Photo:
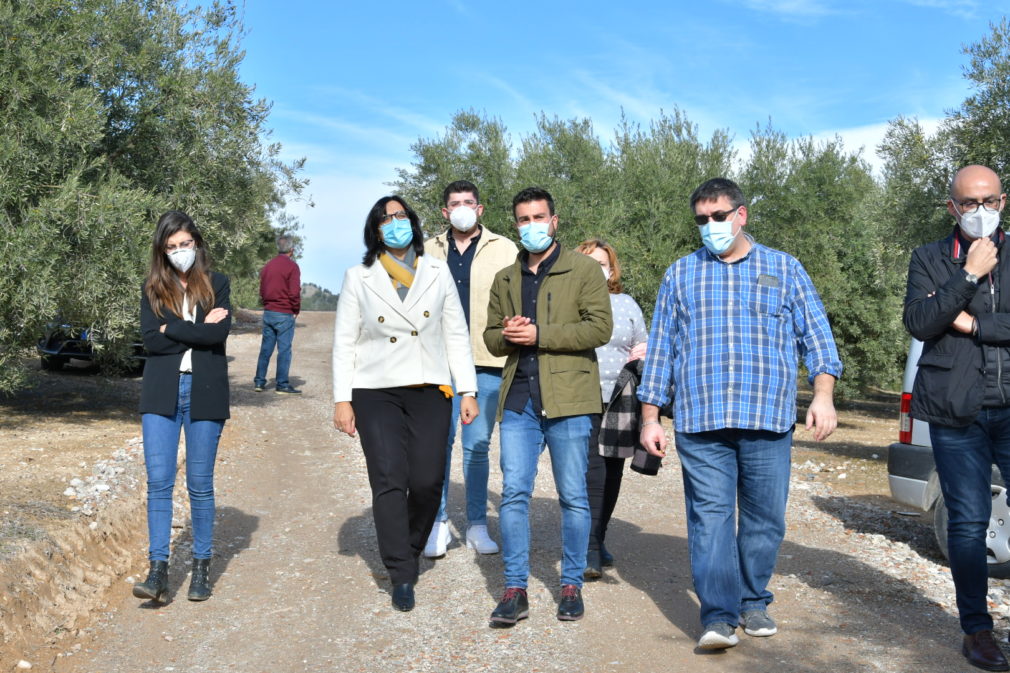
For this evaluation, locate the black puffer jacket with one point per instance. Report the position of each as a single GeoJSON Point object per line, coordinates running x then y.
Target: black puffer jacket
{"type": "Point", "coordinates": [950, 384]}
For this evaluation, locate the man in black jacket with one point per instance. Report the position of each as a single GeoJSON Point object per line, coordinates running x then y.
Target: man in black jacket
{"type": "Point", "coordinates": [958, 304]}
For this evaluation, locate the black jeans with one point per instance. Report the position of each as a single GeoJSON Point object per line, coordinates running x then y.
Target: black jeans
{"type": "Point", "coordinates": [403, 435]}
{"type": "Point", "coordinates": [603, 485]}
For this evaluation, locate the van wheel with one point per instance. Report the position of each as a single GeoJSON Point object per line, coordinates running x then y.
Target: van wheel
{"type": "Point", "coordinates": [997, 540]}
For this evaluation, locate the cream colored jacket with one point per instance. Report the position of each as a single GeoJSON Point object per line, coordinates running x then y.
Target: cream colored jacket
{"type": "Point", "coordinates": [493, 254]}
{"type": "Point", "coordinates": [382, 342]}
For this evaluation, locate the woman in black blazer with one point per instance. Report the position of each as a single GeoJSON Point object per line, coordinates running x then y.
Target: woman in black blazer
{"type": "Point", "coordinates": [185, 315]}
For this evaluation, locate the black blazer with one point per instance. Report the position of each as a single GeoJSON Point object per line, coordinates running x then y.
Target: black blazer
{"type": "Point", "coordinates": [160, 389]}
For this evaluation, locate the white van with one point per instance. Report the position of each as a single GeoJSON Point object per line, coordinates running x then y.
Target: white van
{"type": "Point", "coordinates": [911, 474]}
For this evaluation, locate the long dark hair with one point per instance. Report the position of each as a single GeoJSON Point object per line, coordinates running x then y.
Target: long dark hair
{"type": "Point", "coordinates": [162, 286]}
{"type": "Point", "coordinates": [373, 239]}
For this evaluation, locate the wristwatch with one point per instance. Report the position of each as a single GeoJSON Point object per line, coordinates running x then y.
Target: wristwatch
{"type": "Point", "coordinates": [971, 278]}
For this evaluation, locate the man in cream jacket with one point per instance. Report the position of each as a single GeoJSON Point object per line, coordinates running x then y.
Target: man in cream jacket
{"type": "Point", "coordinates": [474, 255]}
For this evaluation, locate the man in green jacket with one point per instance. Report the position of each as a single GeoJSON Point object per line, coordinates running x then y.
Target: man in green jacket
{"type": "Point", "coordinates": [547, 312]}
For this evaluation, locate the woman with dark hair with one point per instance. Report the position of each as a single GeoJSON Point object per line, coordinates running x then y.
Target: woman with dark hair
{"type": "Point", "coordinates": [185, 315]}
{"type": "Point", "coordinates": [606, 464]}
{"type": "Point", "coordinates": [399, 344]}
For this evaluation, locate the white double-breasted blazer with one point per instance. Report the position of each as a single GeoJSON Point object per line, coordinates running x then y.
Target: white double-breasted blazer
{"type": "Point", "coordinates": [381, 341]}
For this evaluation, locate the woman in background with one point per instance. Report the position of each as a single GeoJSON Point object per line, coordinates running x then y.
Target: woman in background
{"type": "Point", "coordinates": [185, 315]}
{"type": "Point", "coordinates": [627, 342]}
{"type": "Point", "coordinates": [400, 342]}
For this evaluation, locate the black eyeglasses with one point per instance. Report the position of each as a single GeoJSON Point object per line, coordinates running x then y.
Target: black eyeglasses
{"type": "Point", "coordinates": [990, 204]}
{"type": "Point", "coordinates": [717, 216]}
{"type": "Point", "coordinates": [400, 215]}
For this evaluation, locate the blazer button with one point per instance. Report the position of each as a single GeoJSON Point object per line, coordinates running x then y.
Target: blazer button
{"type": "Point", "coordinates": [381, 319]}
{"type": "Point", "coordinates": [413, 332]}
{"type": "Point", "coordinates": [392, 340]}
{"type": "Point", "coordinates": [427, 315]}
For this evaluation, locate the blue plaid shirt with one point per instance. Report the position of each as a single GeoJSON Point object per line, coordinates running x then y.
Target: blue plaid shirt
{"type": "Point", "coordinates": [726, 339]}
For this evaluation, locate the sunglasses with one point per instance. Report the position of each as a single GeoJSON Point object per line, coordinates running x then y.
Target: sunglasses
{"type": "Point", "coordinates": [717, 216]}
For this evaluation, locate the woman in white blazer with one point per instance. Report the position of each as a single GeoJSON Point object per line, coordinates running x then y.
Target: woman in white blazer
{"type": "Point", "coordinates": [399, 344]}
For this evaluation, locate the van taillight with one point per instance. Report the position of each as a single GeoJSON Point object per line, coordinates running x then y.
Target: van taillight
{"type": "Point", "coordinates": [905, 419]}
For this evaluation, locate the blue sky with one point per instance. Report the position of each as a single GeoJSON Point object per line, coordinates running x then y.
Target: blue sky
{"type": "Point", "coordinates": [354, 84]}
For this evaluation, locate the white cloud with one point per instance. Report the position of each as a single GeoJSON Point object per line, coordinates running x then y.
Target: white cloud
{"type": "Point", "coordinates": [856, 139]}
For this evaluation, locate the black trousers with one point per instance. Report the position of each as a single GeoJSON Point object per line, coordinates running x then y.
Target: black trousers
{"type": "Point", "coordinates": [603, 485]}
{"type": "Point", "coordinates": [403, 433]}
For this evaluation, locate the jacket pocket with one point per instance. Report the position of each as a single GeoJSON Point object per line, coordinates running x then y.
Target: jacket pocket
{"type": "Point", "coordinates": [940, 360]}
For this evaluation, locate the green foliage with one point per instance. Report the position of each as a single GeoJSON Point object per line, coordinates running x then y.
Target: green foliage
{"type": "Point", "coordinates": [115, 111]}
{"type": "Point", "coordinates": [820, 204]}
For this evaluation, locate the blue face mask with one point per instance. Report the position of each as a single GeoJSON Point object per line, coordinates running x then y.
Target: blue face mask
{"type": "Point", "coordinates": [718, 236]}
{"type": "Point", "coordinates": [534, 236]}
{"type": "Point", "coordinates": [397, 234]}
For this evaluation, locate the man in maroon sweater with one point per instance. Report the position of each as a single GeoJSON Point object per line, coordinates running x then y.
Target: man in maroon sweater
{"type": "Point", "coordinates": [281, 292]}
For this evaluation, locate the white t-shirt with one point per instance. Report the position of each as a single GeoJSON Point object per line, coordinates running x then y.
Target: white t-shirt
{"type": "Point", "coordinates": [188, 312]}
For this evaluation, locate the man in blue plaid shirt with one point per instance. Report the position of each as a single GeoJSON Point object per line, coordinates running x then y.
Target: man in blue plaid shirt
{"type": "Point", "coordinates": [731, 321]}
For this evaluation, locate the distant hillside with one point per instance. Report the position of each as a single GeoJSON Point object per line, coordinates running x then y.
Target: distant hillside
{"type": "Point", "coordinates": [315, 298]}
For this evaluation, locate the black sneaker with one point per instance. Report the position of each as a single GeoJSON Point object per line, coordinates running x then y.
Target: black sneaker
{"type": "Point", "coordinates": [287, 390]}
{"type": "Point", "coordinates": [258, 388]}
{"type": "Point", "coordinates": [571, 608]}
{"type": "Point", "coordinates": [512, 607]}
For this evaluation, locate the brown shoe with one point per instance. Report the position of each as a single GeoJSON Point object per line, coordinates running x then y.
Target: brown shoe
{"type": "Point", "coordinates": [981, 650]}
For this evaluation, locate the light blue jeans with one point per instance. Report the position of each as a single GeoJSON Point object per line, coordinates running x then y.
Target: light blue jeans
{"type": "Point", "coordinates": [523, 436]}
{"type": "Point", "coordinates": [279, 330]}
{"type": "Point", "coordinates": [161, 448]}
{"type": "Point", "coordinates": [476, 440]}
{"type": "Point", "coordinates": [731, 561]}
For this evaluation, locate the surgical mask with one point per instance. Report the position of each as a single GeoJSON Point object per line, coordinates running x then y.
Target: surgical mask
{"type": "Point", "coordinates": [979, 224]}
{"type": "Point", "coordinates": [718, 236]}
{"type": "Point", "coordinates": [463, 218]}
{"type": "Point", "coordinates": [606, 273]}
{"type": "Point", "coordinates": [397, 234]}
{"type": "Point", "coordinates": [534, 236]}
{"type": "Point", "coordinates": [183, 258]}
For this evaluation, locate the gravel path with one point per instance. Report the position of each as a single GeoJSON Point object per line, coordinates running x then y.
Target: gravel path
{"type": "Point", "coordinates": [298, 585]}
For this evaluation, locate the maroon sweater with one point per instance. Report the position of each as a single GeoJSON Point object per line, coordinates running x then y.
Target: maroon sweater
{"type": "Point", "coordinates": [281, 285]}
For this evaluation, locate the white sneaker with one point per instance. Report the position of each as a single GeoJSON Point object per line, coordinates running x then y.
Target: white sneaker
{"type": "Point", "coordinates": [477, 538]}
{"type": "Point", "coordinates": [438, 540]}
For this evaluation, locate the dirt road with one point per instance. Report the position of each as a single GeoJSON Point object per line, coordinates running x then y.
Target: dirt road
{"type": "Point", "coordinates": [298, 585]}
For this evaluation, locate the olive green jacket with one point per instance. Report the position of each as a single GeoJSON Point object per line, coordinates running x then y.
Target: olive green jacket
{"type": "Point", "coordinates": [573, 319]}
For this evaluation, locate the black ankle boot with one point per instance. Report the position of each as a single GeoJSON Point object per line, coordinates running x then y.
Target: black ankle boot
{"type": "Point", "coordinates": [156, 583]}
{"type": "Point", "coordinates": [199, 583]}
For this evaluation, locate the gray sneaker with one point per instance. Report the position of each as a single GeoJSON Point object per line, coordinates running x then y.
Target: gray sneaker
{"type": "Point", "coordinates": [718, 636]}
{"type": "Point", "coordinates": [758, 623]}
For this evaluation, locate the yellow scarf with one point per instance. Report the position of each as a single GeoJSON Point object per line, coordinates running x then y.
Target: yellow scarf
{"type": "Point", "coordinates": [401, 276]}
{"type": "Point", "coordinates": [398, 274]}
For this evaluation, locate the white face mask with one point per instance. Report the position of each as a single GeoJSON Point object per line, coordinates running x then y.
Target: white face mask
{"type": "Point", "coordinates": [463, 218]}
{"type": "Point", "coordinates": [979, 224]}
{"type": "Point", "coordinates": [606, 272]}
{"type": "Point", "coordinates": [183, 258]}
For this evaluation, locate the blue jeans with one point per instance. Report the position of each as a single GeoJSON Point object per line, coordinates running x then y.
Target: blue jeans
{"type": "Point", "coordinates": [731, 562]}
{"type": "Point", "coordinates": [964, 459]}
{"type": "Point", "coordinates": [278, 330]}
{"type": "Point", "coordinates": [161, 448]}
{"type": "Point", "coordinates": [522, 440]}
{"type": "Point", "coordinates": [476, 443]}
